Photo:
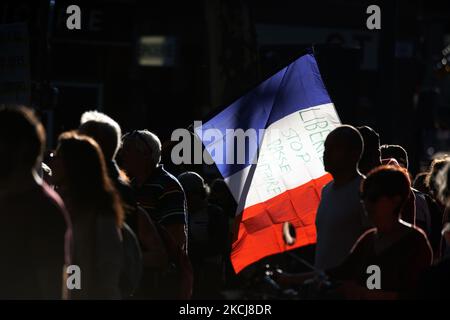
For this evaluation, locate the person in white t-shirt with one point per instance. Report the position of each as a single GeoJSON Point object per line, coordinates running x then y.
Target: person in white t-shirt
{"type": "Point", "coordinates": [340, 217]}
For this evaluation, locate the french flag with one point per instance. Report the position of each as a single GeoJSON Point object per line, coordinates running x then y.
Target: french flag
{"type": "Point", "coordinates": [282, 174]}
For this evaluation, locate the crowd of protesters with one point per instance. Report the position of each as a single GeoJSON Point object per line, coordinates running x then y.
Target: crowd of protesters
{"type": "Point", "coordinates": [371, 214]}
{"type": "Point", "coordinates": [105, 203]}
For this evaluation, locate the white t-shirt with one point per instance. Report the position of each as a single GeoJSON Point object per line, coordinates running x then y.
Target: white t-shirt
{"type": "Point", "coordinates": [340, 221]}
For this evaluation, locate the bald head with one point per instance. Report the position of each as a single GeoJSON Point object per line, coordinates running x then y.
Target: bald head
{"type": "Point", "coordinates": [347, 137]}
{"type": "Point", "coordinates": [343, 149]}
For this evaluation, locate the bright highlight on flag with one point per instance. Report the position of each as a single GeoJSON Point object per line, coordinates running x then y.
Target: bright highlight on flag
{"type": "Point", "coordinates": [282, 175]}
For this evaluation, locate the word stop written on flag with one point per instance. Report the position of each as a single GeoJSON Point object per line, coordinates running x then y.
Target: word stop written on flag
{"type": "Point", "coordinates": [286, 120]}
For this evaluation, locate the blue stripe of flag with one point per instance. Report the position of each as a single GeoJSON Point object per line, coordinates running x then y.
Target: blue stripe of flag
{"type": "Point", "coordinates": [298, 86]}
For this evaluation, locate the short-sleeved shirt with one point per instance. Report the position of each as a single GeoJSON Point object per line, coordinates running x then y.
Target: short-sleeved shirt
{"type": "Point", "coordinates": [340, 221]}
{"type": "Point", "coordinates": [163, 198]}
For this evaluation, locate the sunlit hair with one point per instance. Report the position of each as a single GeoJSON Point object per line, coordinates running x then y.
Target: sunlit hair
{"type": "Point", "coordinates": [442, 184]}
{"type": "Point", "coordinates": [389, 181]}
{"type": "Point", "coordinates": [88, 184]}
{"type": "Point", "coordinates": [145, 142]}
{"type": "Point", "coordinates": [22, 139]}
{"type": "Point", "coordinates": [436, 166]}
{"type": "Point", "coordinates": [396, 152]}
{"type": "Point", "coordinates": [104, 130]}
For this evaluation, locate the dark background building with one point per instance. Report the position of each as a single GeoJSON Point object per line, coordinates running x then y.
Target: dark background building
{"type": "Point", "coordinates": [160, 64]}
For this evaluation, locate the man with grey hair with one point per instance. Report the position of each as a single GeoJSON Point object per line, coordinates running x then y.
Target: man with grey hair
{"type": "Point", "coordinates": [107, 133]}
{"type": "Point", "coordinates": [156, 190]}
{"type": "Point", "coordinates": [104, 130]}
{"type": "Point", "coordinates": [160, 194]}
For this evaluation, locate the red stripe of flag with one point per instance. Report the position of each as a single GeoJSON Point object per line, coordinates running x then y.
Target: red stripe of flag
{"type": "Point", "coordinates": [260, 226]}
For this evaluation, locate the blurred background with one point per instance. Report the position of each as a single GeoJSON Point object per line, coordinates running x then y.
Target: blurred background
{"type": "Point", "coordinates": [163, 64]}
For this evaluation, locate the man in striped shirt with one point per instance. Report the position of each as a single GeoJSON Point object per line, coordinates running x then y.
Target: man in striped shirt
{"type": "Point", "coordinates": [156, 190]}
{"type": "Point", "coordinates": [162, 196]}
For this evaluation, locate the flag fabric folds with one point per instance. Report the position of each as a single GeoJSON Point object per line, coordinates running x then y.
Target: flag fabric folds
{"type": "Point", "coordinates": [280, 174]}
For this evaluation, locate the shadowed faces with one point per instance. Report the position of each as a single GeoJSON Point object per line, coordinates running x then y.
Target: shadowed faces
{"type": "Point", "coordinates": [343, 148]}
{"type": "Point", "coordinates": [384, 192]}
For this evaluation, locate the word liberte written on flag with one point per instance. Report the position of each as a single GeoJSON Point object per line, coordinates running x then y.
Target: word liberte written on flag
{"type": "Point", "coordinates": [240, 143]}
{"type": "Point", "coordinates": [268, 146]}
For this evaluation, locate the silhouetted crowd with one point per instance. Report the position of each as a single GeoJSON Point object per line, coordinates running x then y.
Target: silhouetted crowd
{"type": "Point", "coordinates": [104, 202]}
{"type": "Point", "coordinates": [128, 234]}
{"type": "Point", "coordinates": [372, 215]}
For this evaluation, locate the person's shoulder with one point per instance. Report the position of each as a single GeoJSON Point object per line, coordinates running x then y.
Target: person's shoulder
{"type": "Point", "coordinates": [366, 237]}
{"type": "Point", "coordinates": [417, 238]}
{"type": "Point", "coordinates": [50, 198]}
{"type": "Point", "coordinates": [413, 231]}
{"type": "Point", "coordinates": [170, 177]}
{"type": "Point", "coordinates": [419, 235]}
{"type": "Point", "coordinates": [432, 203]}
{"type": "Point", "coordinates": [368, 234]}
{"type": "Point", "coordinates": [419, 195]}
{"type": "Point", "coordinates": [353, 184]}
{"type": "Point", "coordinates": [52, 213]}
{"type": "Point", "coordinates": [326, 188]}
{"type": "Point", "coordinates": [163, 179]}
{"type": "Point", "coordinates": [169, 182]}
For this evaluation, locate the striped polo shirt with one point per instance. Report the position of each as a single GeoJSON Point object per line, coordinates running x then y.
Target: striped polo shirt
{"type": "Point", "coordinates": [163, 198]}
